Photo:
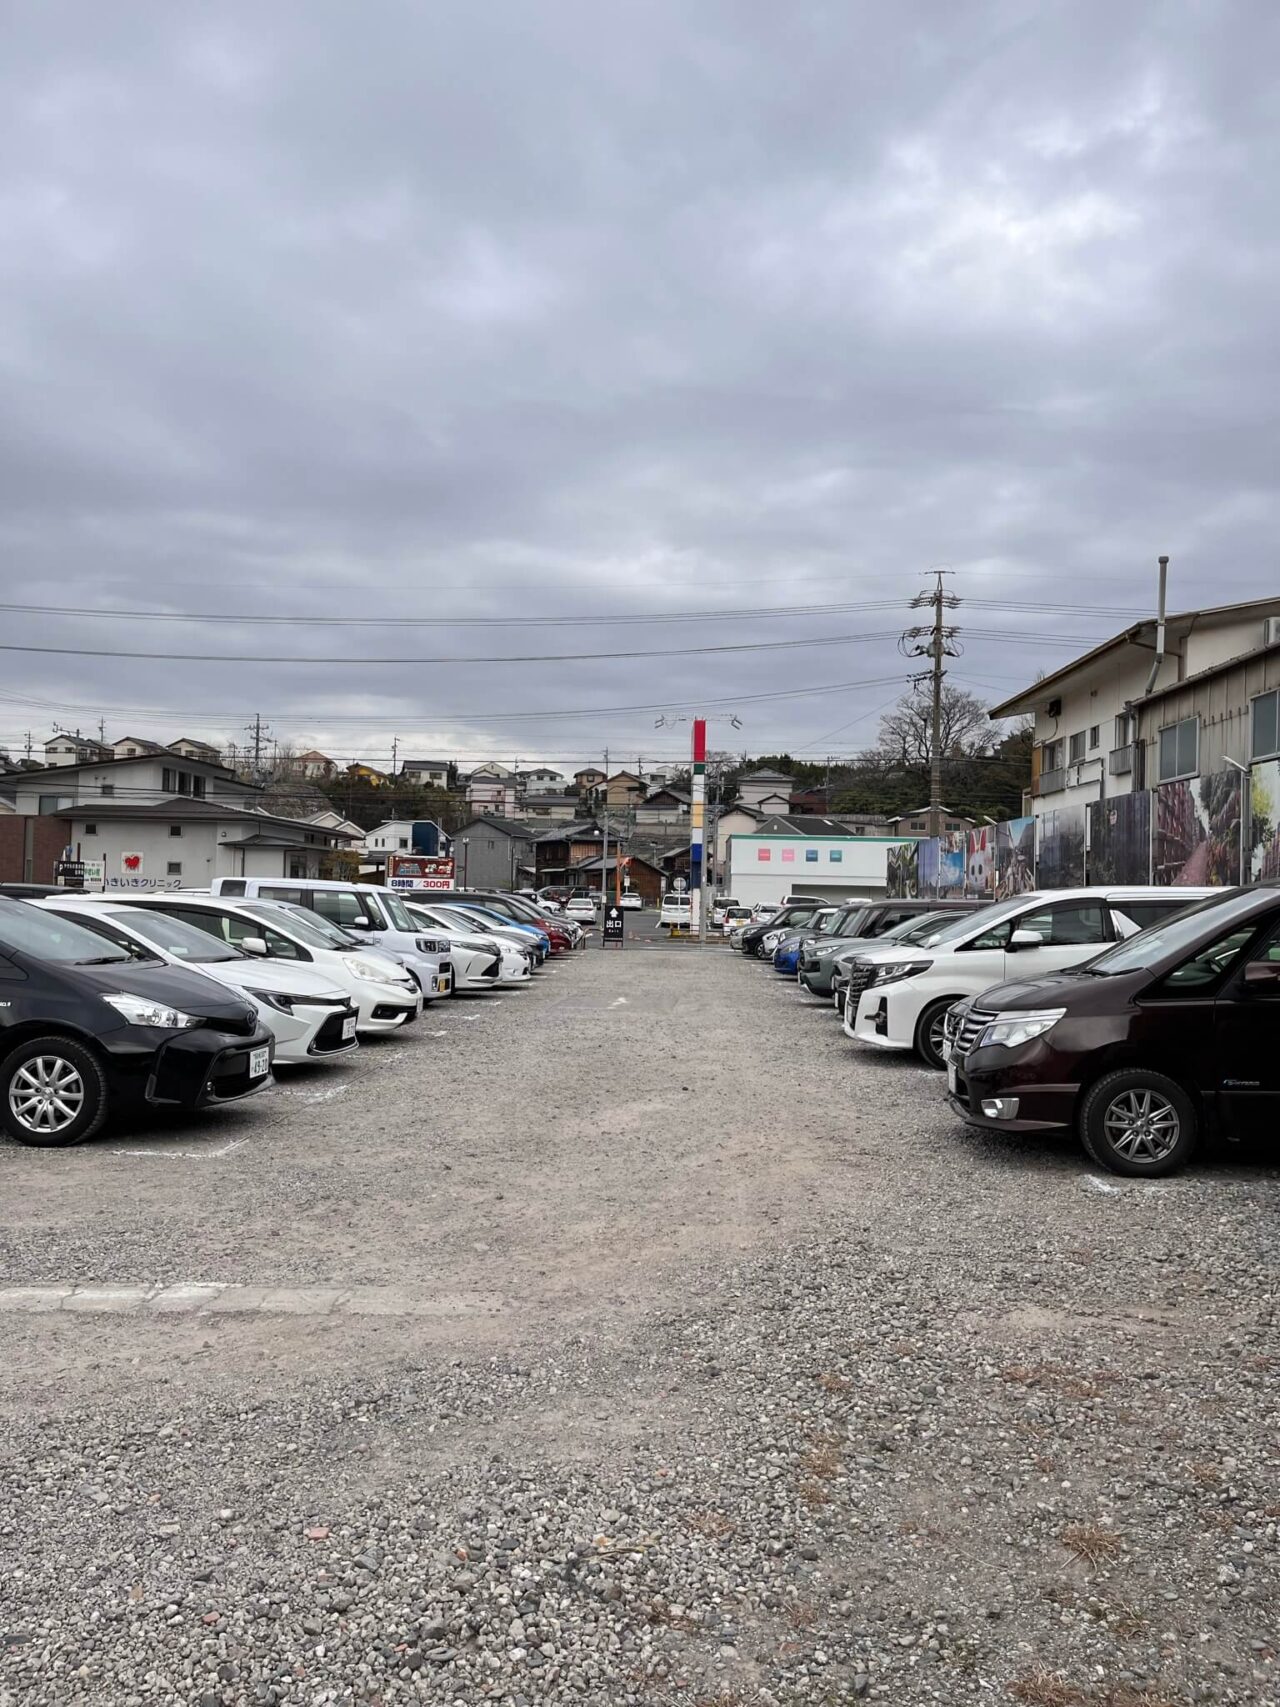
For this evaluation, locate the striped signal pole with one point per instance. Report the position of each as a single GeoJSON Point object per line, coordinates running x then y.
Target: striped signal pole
{"type": "Point", "coordinates": [697, 812]}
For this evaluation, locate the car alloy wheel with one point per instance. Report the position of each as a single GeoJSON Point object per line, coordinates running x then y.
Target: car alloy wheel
{"type": "Point", "coordinates": [1142, 1126]}
{"type": "Point", "coordinates": [46, 1095]}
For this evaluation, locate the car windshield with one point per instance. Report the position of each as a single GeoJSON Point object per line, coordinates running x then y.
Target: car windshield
{"type": "Point", "coordinates": [393, 907]}
{"type": "Point", "coordinates": [302, 923]}
{"type": "Point", "coordinates": [49, 936]}
{"type": "Point", "coordinates": [1182, 934]}
{"type": "Point", "coordinates": [174, 936]}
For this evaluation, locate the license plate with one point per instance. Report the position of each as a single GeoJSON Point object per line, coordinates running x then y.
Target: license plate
{"type": "Point", "coordinates": [259, 1062]}
{"type": "Point", "coordinates": [951, 1077]}
{"type": "Point", "coordinates": [348, 1028]}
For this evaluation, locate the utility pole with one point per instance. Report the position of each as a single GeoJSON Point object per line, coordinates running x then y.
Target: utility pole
{"type": "Point", "coordinates": [395, 749]}
{"type": "Point", "coordinates": [935, 642]}
{"type": "Point", "coordinates": [260, 733]}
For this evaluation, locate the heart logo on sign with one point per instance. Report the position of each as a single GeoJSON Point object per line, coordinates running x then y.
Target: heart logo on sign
{"type": "Point", "coordinates": [132, 861]}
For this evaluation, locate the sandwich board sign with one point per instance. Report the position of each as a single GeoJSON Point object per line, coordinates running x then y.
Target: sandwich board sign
{"type": "Point", "coordinates": [614, 920]}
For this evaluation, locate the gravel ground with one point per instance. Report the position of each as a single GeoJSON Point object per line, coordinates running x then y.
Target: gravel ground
{"type": "Point", "coordinates": [793, 1392]}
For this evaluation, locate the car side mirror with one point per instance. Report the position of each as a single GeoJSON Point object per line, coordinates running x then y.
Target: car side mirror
{"type": "Point", "coordinates": [1262, 972]}
{"type": "Point", "coordinates": [1026, 939]}
{"type": "Point", "coordinates": [254, 945]}
{"type": "Point", "coordinates": [360, 924]}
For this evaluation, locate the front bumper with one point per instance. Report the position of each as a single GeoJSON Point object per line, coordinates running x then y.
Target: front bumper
{"type": "Point", "coordinates": [990, 1076]}
{"type": "Point", "coordinates": [189, 1070]}
{"type": "Point", "coordinates": [871, 1022]}
{"type": "Point", "coordinates": [387, 1008]}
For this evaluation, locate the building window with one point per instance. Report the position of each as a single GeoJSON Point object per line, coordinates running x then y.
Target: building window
{"type": "Point", "coordinates": [108, 789]}
{"type": "Point", "coordinates": [1180, 750]}
{"type": "Point", "coordinates": [1051, 756]}
{"type": "Point", "coordinates": [197, 787]}
{"type": "Point", "coordinates": [168, 781]}
{"type": "Point", "coordinates": [1266, 726]}
{"type": "Point", "coordinates": [1122, 729]}
{"type": "Point", "coordinates": [91, 829]}
{"type": "Point", "coordinates": [173, 868]}
{"type": "Point", "coordinates": [1075, 750]}
{"type": "Point", "coordinates": [1095, 738]}
{"type": "Point", "coordinates": [175, 829]}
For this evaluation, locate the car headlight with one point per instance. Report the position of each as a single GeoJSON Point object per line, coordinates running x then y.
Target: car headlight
{"type": "Point", "coordinates": [892, 970]}
{"type": "Point", "coordinates": [1009, 1030]}
{"type": "Point", "coordinates": [283, 1000]}
{"type": "Point", "coordinates": [137, 1010]}
{"type": "Point", "coordinates": [432, 945]}
{"type": "Point", "coordinates": [375, 974]}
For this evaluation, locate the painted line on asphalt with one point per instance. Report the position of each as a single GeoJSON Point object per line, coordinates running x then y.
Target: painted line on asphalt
{"type": "Point", "coordinates": [185, 1155]}
{"type": "Point", "coordinates": [192, 1297]}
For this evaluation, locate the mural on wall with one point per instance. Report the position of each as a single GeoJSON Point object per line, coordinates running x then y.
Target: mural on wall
{"type": "Point", "coordinates": [902, 880]}
{"type": "Point", "coordinates": [1262, 857]}
{"type": "Point", "coordinates": [1060, 849]}
{"type": "Point", "coordinates": [952, 852]}
{"type": "Point", "coordinates": [980, 863]}
{"type": "Point", "coordinates": [1015, 858]}
{"type": "Point", "coordinates": [1196, 832]}
{"type": "Point", "coordinates": [1120, 839]}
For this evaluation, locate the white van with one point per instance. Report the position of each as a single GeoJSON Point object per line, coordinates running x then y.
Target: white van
{"type": "Point", "coordinates": [903, 993]}
{"type": "Point", "coordinates": [368, 913]}
{"type": "Point", "coordinates": [676, 910]}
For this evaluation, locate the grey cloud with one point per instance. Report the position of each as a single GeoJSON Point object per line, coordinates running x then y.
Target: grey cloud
{"type": "Point", "coordinates": [537, 310]}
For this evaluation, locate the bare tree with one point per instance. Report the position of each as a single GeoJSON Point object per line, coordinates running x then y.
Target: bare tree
{"type": "Point", "coordinates": [904, 737]}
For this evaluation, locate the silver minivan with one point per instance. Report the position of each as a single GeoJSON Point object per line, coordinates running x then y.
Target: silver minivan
{"type": "Point", "coordinates": [368, 913]}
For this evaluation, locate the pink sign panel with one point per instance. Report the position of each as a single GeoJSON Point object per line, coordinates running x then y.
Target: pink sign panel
{"type": "Point", "coordinates": [764, 853]}
{"type": "Point", "coordinates": [788, 856]}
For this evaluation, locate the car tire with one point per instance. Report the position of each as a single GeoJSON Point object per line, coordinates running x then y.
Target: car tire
{"type": "Point", "coordinates": [1139, 1122]}
{"type": "Point", "coordinates": [928, 1038]}
{"type": "Point", "coordinates": [76, 1085]}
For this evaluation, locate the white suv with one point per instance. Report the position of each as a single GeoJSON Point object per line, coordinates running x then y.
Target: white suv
{"type": "Point", "coordinates": [902, 994]}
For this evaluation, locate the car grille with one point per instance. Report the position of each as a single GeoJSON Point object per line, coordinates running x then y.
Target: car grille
{"type": "Point", "coordinates": [860, 974]}
{"type": "Point", "coordinates": [330, 1036]}
{"type": "Point", "coordinates": [962, 1028]}
{"type": "Point", "coordinates": [242, 1024]}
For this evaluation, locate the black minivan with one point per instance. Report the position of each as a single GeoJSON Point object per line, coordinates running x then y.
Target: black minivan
{"type": "Point", "coordinates": [88, 1027]}
{"type": "Point", "coordinates": [1143, 1048]}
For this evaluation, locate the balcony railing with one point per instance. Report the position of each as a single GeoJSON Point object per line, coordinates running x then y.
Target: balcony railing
{"type": "Point", "coordinates": [1120, 760]}
{"type": "Point", "coordinates": [1052, 782]}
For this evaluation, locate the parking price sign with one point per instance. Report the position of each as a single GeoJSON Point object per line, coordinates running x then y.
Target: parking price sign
{"type": "Point", "coordinates": [614, 919]}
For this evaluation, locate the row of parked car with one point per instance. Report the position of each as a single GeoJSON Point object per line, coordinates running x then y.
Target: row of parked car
{"type": "Point", "coordinates": [112, 1002]}
{"type": "Point", "coordinates": [1139, 1018]}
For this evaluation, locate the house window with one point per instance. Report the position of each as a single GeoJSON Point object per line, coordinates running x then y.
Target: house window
{"type": "Point", "coordinates": [197, 787]}
{"type": "Point", "coordinates": [108, 789]}
{"type": "Point", "coordinates": [1051, 756]}
{"type": "Point", "coordinates": [168, 781]}
{"type": "Point", "coordinates": [1266, 726]}
{"type": "Point", "coordinates": [1075, 750]}
{"type": "Point", "coordinates": [91, 829]}
{"type": "Point", "coordinates": [1180, 749]}
{"type": "Point", "coordinates": [173, 868]}
{"type": "Point", "coordinates": [1122, 729]}
{"type": "Point", "coordinates": [175, 829]}
{"type": "Point", "coordinates": [1095, 738]}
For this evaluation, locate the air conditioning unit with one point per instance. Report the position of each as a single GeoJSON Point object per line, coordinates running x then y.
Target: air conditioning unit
{"type": "Point", "coordinates": [1054, 708]}
{"type": "Point", "coordinates": [1271, 631]}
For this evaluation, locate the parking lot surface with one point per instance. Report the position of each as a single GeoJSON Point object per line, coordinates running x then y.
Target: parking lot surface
{"type": "Point", "coordinates": [632, 1338]}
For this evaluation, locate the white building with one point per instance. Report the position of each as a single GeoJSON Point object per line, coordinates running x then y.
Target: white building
{"type": "Point", "coordinates": [66, 749]}
{"type": "Point", "coordinates": [490, 796]}
{"type": "Point", "coordinates": [1109, 723]}
{"type": "Point", "coordinates": [769, 867]}
{"type": "Point", "coordinates": [428, 773]}
{"type": "Point", "coordinates": [766, 790]}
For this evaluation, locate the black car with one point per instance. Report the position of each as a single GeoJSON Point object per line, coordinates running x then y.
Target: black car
{"type": "Point", "coordinates": [791, 917]}
{"type": "Point", "coordinates": [87, 1027]}
{"type": "Point", "coordinates": [1140, 1050]}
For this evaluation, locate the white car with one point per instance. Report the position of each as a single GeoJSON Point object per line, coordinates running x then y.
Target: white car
{"type": "Point", "coordinates": [676, 910]}
{"type": "Point", "coordinates": [764, 910]}
{"type": "Point", "coordinates": [904, 1004]}
{"type": "Point", "coordinates": [364, 911]}
{"type": "Point", "coordinates": [630, 902]}
{"type": "Point", "coordinates": [480, 962]}
{"type": "Point", "coordinates": [719, 907]}
{"type": "Point", "coordinates": [386, 996]}
{"type": "Point", "coordinates": [307, 1015]}
{"type": "Point", "coordinates": [581, 907]}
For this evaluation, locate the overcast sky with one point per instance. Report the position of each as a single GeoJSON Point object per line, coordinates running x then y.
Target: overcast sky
{"type": "Point", "coordinates": [512, 310]}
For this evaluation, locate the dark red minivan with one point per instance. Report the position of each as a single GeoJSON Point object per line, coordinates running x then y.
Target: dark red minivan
{"type": "Point", "coordinates": [1168, 1035]}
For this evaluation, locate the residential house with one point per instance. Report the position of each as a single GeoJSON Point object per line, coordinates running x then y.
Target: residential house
{"type": "Point", "coordinates": [557, 851]}
{"type": "Point", "coordinates": [736, 820]}
{"type": "Point", "coordinates": [1108, 724]}
{"type": "Point", "coordinates": [862, 823]}
{"type": "Point", "coordinates": [494, 852]}
{"type": "Point", "coordinates": [426, 773]}
{"type": "Point", "coordinates": [315, 766]}
{"type": "Point", "coordinates": [370, 774]}
{"type": "Point", "coordinates": [589, 779]}
{"type": "Point", "coordinates": [549, 808]}
{"type": "Point", "coordinates": [180, 823]}
{"type": "Point", "coordinates": [64, 748]}
{"type": "Point", "coordinates": [404, 835]}
{"type": "Point", "coordinates": [134, 746]}
{"type": "Point", "coordinates": [663, 806]}
{"type": "Point", "coordinates": [813, 801]}
{"type": "Point", "coordinates": [490, 795]}
{"type": "Point", "coordinates": [498, 772]}
{"type": "Point", "coordinates": [188, 748]}
{"type": "Point", "coordinates": [905, 825]}
{"type": "Point", "coordinates": [332, 819]}
{"type": "Point", "coordinates": [624, 790]}
{"type": "Point", "coordinates": [766, 790]}
{"type": "Point", "coordinates": [600, 875]}
{"type": "Point", "coordinates": [540, 780]}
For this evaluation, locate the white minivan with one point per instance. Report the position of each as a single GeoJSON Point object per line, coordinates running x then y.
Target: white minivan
{"type": "Point", "coordinates": [676, 910]}
{"type": "Point", "coordinates": [901, 995]}
{"type": "Point", "coordinates": [370, 914]}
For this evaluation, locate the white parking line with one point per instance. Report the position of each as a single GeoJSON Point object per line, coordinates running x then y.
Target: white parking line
{"type": "Point", "coordinates": [185, 1155]}
{"type": "Point", "coordinates": [197, 1297]}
